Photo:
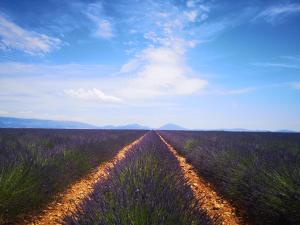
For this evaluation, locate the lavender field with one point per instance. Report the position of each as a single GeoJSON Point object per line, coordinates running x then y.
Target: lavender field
{"type": "Point", "coordinates": [258, 175]}
{"type": "Point", "coordinates": [36, 164]}
{"type": "Point", "coordinates": [147, 187]}
{"type": "Point", "coordinates": [149, 112]}
{"type": "Point", "coordinates": [258, 172]}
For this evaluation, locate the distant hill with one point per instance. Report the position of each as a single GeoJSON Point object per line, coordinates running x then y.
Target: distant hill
{"type": "Point", "coordinates": [11, 122]}
{"type": "Point", "coordinates": [247, 130]}
{"type": "Point", "coordinates": [287, 131]}
{"type": "Point", "coordinates": [236, 130]}
{"type": "Point", "coordinates": [133, 126]}
{"type": "Point", "coordinates": [171, 126]}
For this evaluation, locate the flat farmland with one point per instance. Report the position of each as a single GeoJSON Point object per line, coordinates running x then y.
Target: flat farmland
{"type": "Point", "coordinates": [148, 177]}
{"type": "Point", "coordinates": [259, 172]}
{"type": "Point", "coordinates": [37, 164]}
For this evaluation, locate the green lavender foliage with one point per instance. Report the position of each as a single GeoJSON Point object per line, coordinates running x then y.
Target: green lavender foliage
{"type": "Point", "coordinates": [36, 164]}
{"type": "Point", "coordinates": [259, 172]}
{"type": "Point", "coordinates": [147, 187]}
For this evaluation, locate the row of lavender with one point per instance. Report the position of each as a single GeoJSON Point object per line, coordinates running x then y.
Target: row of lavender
{"type": "Point", "coordinates": [35, 164]}
{"type": "Point", "coordinates": [259, 172]}
{"type": "Point", "coordinates": [146, 187]}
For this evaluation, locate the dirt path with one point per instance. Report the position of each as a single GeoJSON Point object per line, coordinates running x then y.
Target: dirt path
{"type": "Point", "coordinates": [213, 204]}
{"type": "Point", "coordinates": [67, 201]}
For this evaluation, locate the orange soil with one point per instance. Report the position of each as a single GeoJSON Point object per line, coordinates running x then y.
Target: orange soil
{"type": "Point", "coordinates": [66, 202]}
{"type": "Point", "coordinates": [214, 205]}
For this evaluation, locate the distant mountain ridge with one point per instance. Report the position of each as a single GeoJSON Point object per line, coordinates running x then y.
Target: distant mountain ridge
{"type": "Point", "coordinates": [171, 126]}
{"type": "Point", "coordinates": [287, 131]}
{"type": "Point", "coordinates": [12, 122]}
{"type": "Point", "coordinates": [133, 126]}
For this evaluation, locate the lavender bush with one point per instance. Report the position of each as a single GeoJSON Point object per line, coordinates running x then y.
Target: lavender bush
{"type": "Point", "coordinates": [35, 164]}
{"type": "Point", "coordinates": [259, 172]}
{"type": "Point", "coordinates": [147, 187]}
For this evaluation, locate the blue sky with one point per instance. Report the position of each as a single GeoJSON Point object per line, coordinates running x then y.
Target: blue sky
{"type": "Point", "coordinates": [201, 64]}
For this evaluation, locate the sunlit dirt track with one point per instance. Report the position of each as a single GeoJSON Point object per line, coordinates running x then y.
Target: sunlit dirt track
{"type": "Point", "coordinates": [213, 204]}
{"type": "Point", "coordinates": [66, 202]}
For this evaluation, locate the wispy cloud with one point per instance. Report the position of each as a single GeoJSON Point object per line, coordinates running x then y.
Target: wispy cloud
{"type": "Point", "coordinates": [165, 22]}
{"type": "Point", "coordinates": [65, 71]}
{"type": "Point", "coordinates": [277, 65]}
{"type": "Point", "coordinates": [159, 72]}
{"type": "Point", "coordinates": [160, 69]}
{"type": "Point", "coordinates": [278, 12]}
{"type": "Point", "coordinates": [294, 58]}
{"type": "Point", "coordinates": [191, 15]}
{"type": "Point", "coordinates": [3, 112]}
{"type": "Point", "coordinates": [224, 92]}
{"type": "Point", "coordinates": [33, 43]}
{"type": "Point", "coordinates": [209, 31]}
{"type": "Point", "coordinates": [154, 73]}
{"type": "Point", "coordinates": [91, 95]}
{"type": "Point", "coordinates": [103, 27]}
{"type": "Point", "coordinates": [157, 67]}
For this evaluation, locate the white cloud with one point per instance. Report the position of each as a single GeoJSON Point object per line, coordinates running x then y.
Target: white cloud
{"type": "Point", "coordinates": [209, 31]}
{"type": "Point", "coordinates": [191, 15]}
{"type": "Point", "coordinates": [190, 3]}
{"type": "Point", "coordinates": [278, 65]}
{"type": "Point", "coordinates": [25, 112]}
{"type": "Point", "coordinates": [68, 71]}
{"type": "Point", "coordinates": [153, 73]}
{"type": "Point", "coordinates": [3, 112]}
{"type": "Point", "coordinates": [237, 91]}
{"type": "Point", "coordinates": [130, 66]}
{"type": "Point", "coordinates": [225, 92]}
{"type": "Point", "coordinates": [166, 23]}
{"type": "Point", "coordinates": [159, 72]}
{"type": "Point", "coordinates": [92, 94]}
{"type": "Point", "coordinates": [13, 36]}
{"type": "Point", "coordinates": [160, 69]}
{"type": "Point", "coordinates": [103, 27]}
{"type": "Point", "coordinates": [276, 13]}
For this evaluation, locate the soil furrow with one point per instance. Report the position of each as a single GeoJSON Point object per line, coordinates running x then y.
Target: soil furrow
{"type": "Point", "coordinates": [67, 202]}
{"type": "Point", "coordinates": [214, 205]}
